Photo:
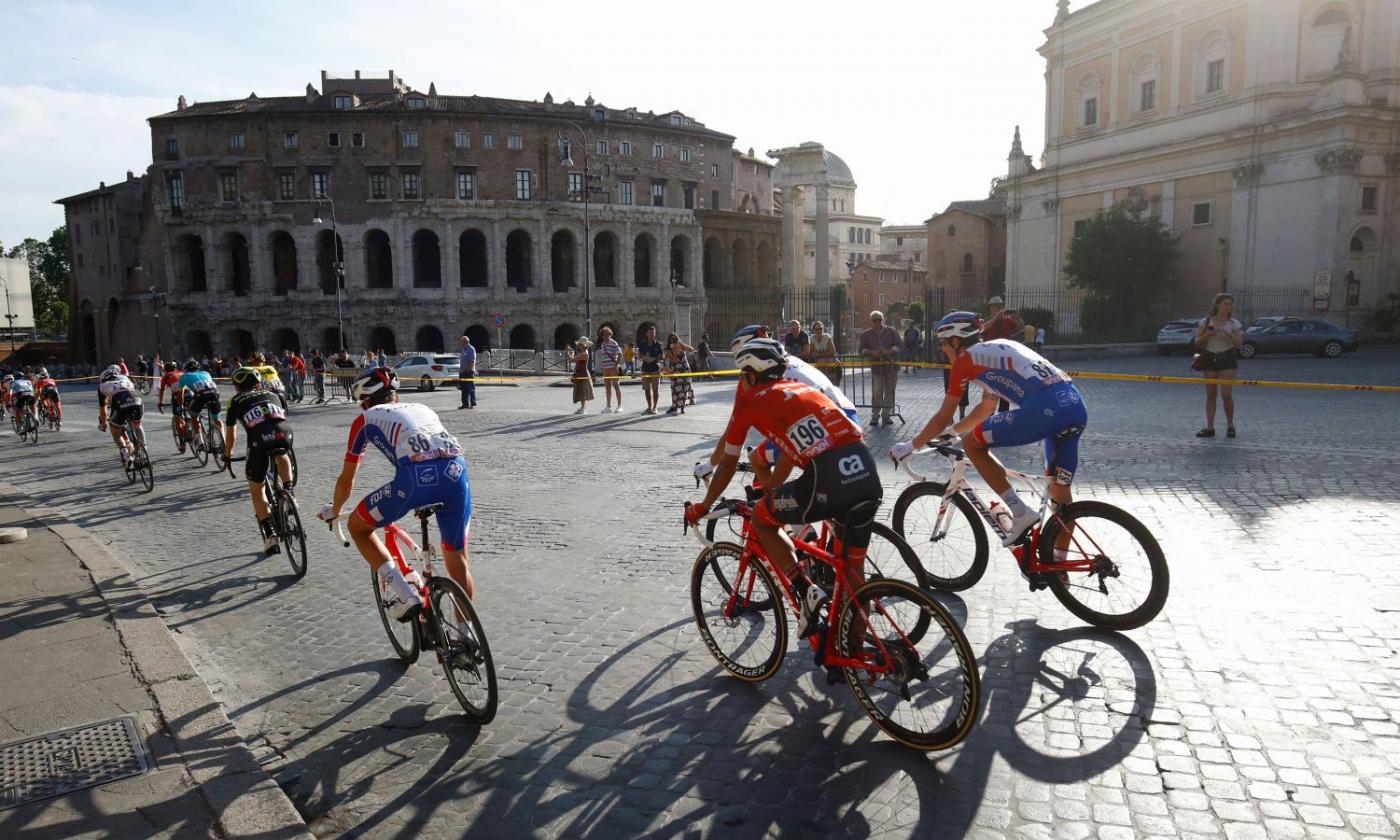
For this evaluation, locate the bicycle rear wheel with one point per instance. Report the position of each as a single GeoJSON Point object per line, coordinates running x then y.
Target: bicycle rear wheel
{"type": "Point", "coordinates": [289, 530]}
{"type": "Point", "coordinates": [465, 654]}
{"type": "Point", "coordinates": [739, 612]}
{"type": "Point", "coordinates": [175, 432]}
{"type": "Point", "coordinates": [924, 693]}
{"type": "Point", "coordinates": [292, 456]}
{"type": "Point", "coordinates": [954, 559]}
{"type": "Point", "coordinates": [142, 461]}
{"type": "Point", "coordinates": [211, 436]}
{"type": "Point", "coordinates": [199, 440]}
{"type": "Point", "coordinates": [1127, 586]}
{"type": "Point", "coordinates": [403, 635]}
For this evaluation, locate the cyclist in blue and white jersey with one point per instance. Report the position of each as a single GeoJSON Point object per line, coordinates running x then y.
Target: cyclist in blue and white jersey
{"type": "Point", "coordinates": [204, 393]}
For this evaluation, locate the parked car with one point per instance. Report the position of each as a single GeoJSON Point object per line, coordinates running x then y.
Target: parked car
{"type": "Point", "coordinates": [1268, 321]}
{"type": "Point", "coordinates": [1294, 335]}
{"type": "Point", "coordinates": [1176, 337]}
{"type": "Point", "coordinates": [427, 369]}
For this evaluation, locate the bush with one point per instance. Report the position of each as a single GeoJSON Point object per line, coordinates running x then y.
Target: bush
{"type": "Point", "coordinates": [1388, 316]}
{"type": "Point", "coordinates": [1038, 317]}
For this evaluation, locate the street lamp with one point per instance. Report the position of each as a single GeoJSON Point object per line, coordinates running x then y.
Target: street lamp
{"type": "Point", "coordinates": [337, 265]}
{"type": "Point", "coordinates": [566, 157]}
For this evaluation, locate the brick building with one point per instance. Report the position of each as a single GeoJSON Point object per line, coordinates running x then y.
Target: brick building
{"type": "Point", "coordinates": [967, 252]}
{"type": "Point", "coordinates": [448, 209]}
{"type": "Point", "coordinates": [886, 285]}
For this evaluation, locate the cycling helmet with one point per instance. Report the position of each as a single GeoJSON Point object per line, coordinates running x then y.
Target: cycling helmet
{"type": "Point", "coordinates": [111, 373]}
{"type": "Point", "coordinates": [962, 325]}
{"type": "Point", "coordinates": [763, 356]}
{"type": "Point", "coordinates": [191, 366]}
{"type": "Point", "coordinates": [245, 378]}
{"type": "Point", "coordinates": [374, 384]}
{"type": "Point", "coordinates": [743, 335]}
{"type": "Point", "coordinates": [9, 378]}
{"type": "Point", "coordinates": [169, 367]}
{"type": "Point", "coordinates": [42, 374]}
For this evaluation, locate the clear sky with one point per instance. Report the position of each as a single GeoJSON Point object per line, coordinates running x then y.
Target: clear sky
{"type": "Point", "coordinates": [918, 96]}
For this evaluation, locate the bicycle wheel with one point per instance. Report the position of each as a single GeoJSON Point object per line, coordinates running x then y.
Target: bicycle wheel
{"type": "Point", "coordinates": [292, 455]}
{"type": "Point", "coordinates": [1128, 583]}
{"type": "Point", "coordinates": [129, 463]}
{"type": "Point", "coordinates": [175, 432]}
{"type": "Point", "coordinates": [465, 653]}
{"type": "Point", "coordinates": [923, 693]}
{"type": "Point", "coordinates": [290, 532]}
{"type": "Point", "coordinates": [953, 552]}
{"type": "Point", "coordinates": [33, 428]}
{"type": "Point", "coordinates": [403, 635]}
{"type": "Point", "coordinates": [739, 612]}
{"type": "Point", "coordinates": [216, 443]}
{"type": "Point", "coordinates": [141, 463]}
{"type": "Point", "coordinates": [199, 441]}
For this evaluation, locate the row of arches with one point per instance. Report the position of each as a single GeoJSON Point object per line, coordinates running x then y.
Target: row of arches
{"type": "Point", "coordinates": [738, 266]}
{"type": "Point", "coordinates": [235, 268]}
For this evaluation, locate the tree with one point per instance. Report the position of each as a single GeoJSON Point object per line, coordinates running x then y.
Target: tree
{"type": "Point", "coordinates": [49, 279]}
{"type": "Point", "coordinates": [1124, 262]}
{"type": "Point", "coordinates": [916, 312]}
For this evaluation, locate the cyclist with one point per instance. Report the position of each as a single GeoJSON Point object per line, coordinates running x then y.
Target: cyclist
{"type": "Point", "coordinates": [5, 392]}
{"type": "Point", "coordinates": [271, 380]}
{"type": "Point", "coordinates": [22, 397]}
{"type": "Point", "coordinates": [429, 469]}
{"type": "Point", "coordinates": [118, 400]}
{"type": "Point", "coordinates": [839, 479]}
{"type": "Point", "coordinates": [1048, 407]}
{"type": "Point", "coordinates": [48, 392]}
{"type": "Point", "coordinates": [269, 440]}
{"type": "Point", "coordinates": [203, 392]}
{"type": "Point", "coordinates": [170, 379]}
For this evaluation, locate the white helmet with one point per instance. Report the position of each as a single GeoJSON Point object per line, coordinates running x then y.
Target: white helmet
{"type": "Point", "coordinates": [959, 325]}
{"type": "Point", "coordinates": [764, 356]}
{"type": "Point", "coordinates": [374, 382]}
{"type": "Point", "coordinates": [112, 372]}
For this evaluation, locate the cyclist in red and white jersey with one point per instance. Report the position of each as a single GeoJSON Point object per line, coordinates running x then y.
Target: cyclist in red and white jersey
{"type": "Point", "coordinates": [429, 469]}
{"type": "Point", "coordinates": [48, 391]}
{"type": "Point", "coordinates": [1048, 407]}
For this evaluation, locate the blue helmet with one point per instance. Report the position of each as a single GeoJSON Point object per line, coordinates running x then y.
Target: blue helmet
{"type": "Point", "coordinates": [746, 333]}
{"type": "Point", "coordinates": [962, 325]}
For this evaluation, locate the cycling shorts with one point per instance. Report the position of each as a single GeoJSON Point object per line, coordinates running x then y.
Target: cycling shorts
{"type": "Point", "coordinates": [416, 485]}
{"type": "Point", "coordinates": [767, 452]}
{"type": "Point", "coordinates": [832, 484]}
{"type": "Point", "coordinates": [203, 400]}
{"type": "Point", "coordinates": [49, 394]}
{"type": "Point", "coordinates": [125, 412]}
{"type": "Point", "coordinates": [1056, 416]}
{"type": "Point", "coordinates": [270, 439]}
{"type": "Point", "coordinates": [23, 400]}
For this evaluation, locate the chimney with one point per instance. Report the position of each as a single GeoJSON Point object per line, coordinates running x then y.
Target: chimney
{"type": "Point", "coordinates": [180, 103]}
{"type": "Point", "coordinates": [310, 93]}
{"type": "Point", "coordinates": [130, 176]}
{"type": "Point", "coordinates": [357, 74]}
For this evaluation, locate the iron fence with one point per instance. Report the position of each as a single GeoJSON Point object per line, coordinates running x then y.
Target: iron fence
{"type": "Point", "coordinates": [727, 310]}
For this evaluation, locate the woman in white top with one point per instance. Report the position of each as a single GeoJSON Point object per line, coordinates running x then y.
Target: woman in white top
{"type": "Point", "coordinates": [610, 360]}
{"type": "Point", "coordinates": [821, 349]}
{"type": "Point", "coordinates": [1218, 339]}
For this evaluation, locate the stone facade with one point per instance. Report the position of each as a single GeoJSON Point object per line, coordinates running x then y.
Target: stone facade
{"type": "Point", "coordinates": [908, 243]}
{"type": "Point", "coordinates": [967, 252]}
{"type": "Point", "coordinates": [448, 210]}
{"type": "Point", "coordinates": [887, 285]}
{"type": "Point", "coordinates": [819, 206]}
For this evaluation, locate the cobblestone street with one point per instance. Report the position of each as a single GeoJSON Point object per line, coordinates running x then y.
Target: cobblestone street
{"type": "Point", "coordinates": [1263, 702]}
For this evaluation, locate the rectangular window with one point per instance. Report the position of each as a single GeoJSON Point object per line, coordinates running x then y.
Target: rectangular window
{"type": "Point", "coordinates": [576, 185]}
{"type": "Point", "coordinates": [77, 235]}
{"type": "Point", "coordinates": [80, 261]}
{"type": "Point", "coordinates": [1080, 226]}
{"type": "Point", "coordinates": [685, 156]}
{"type": "Point", "coordinates": [1091, 112]}
{"type": "Point", "coordinates": [523, 182]}
{"type": "Point", "coordinates": [625, 147]}
{"type": "Point", "coordinates": [658, 193]}
{"type": "Point", "coordinates": [850, 234]}
{"type": "Point", "coordinates": [1215, 76]}
{"type": "Point", "coordinates": [235, 140]}
{"type": "Point", "coordinates": [658, 150]}
{"type": "Point", "coordinates": [379, 185]}
{"type": "Point", "coordinates": [416, 104]}
{"type": "Point", "coordinates": [624, 192]}
{"type": "Point", "coordinates": [714, 170]}
{"type": "Point", "coordinates": [688, 196]}
{"type": "Point", "coordinates": [289, 139]}
{"type": "Point", "coordinates": [410, 185]}
{"type": "Point", "coordinates": [714, 199]}
{"type": "Point", "coordinates": [320, 184]}
{"type": "Point", "coordinates": [357, 139]}
{"type": "Point", "coordinates": [286, 185]}
{"type": "Point", "coordinates": [175, 185]}
{"type": "Point", "coordinates": [172, 148]}
{"type": "Point", "coordinates": [1148, 100]}
{"type": "Point", "coordinates": [488, 140]}
{"type": "Point", "coordinates": [410, 139]}
{"type": "Point", "coordinates": [466, 185]}
{"type": "Point", "coordinates": [343, 102]}
{"type": "Point", "coordinates": [1202, 214]}
{"type": "Point", "coordinates": [1370, 199]}
{"type": "Point", "coordinates": [513, 141]}
{"type": "Point", "coordinates": [462, 140]}
{"type": "Point", "coordinates": [228, 186]}
{"type": "Point", "coordinates": [602, 147]}
{"type": "Point", "coordinates": [333, 139]}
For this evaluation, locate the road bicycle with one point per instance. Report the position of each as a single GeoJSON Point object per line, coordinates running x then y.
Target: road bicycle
{"type": "Point", "coordinates": [285, 518]}
{"type": "Point", "coordinates": [48, 411]}
{"type": "Point", "coordinates": [26, 425]}
{"type": "Point", "coordinates": [136, 461]}
{"type": "Point", "coordinates": [445, 623]}
{"type": "Point", "coordinates": [900, 651]}
{"type": "Point", "coordinates": [184, 441]}
{"type": "Point", "coordinates": [209, 428]}
{"type": "Point", "coordinates": [1098, 560]}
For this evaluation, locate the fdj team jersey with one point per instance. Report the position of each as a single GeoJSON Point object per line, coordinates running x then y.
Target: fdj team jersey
{"type": "Point", "coordinates": [405, 432]}
{"type": "Point", "coordinates": [799, 419]}
{"type": "Point", "coordinates": [254, 408]}
{"type": "Point", "coordinates": [197, 381]}
{"type": "Point", "coordinates": [1009, 369]}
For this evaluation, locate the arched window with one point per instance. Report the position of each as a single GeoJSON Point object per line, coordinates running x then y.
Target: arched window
{"type": "Point", "coordinates": [1088, 96]}
{"type": "Point", "coordinates": [967, 264]}
{"type": "Point", "coordinates": [1143, 81]}
{"type": "Point", "coordinates": [1212, 77]}
{"type": "Point", "coordinates": [1323, 41]}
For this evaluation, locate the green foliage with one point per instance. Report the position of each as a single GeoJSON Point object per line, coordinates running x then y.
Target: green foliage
{"type": "Point", "coordinates": [1388, 316]}
{"type": "Point", "coordinates": [916, 312]}
{"type": "Point", "coordinates": [1039, 317]}
{"type": "Point", "coordinates": [49, 279]}
{"type": "Point", "coordinates": [1124, 262]}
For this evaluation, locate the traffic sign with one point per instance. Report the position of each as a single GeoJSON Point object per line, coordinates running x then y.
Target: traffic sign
{"type": "Point", "coordinates": [498, 320]}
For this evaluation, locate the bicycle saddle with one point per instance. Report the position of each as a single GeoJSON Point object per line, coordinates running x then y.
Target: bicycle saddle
{"type": "Point", "coordinates": [425, 512]}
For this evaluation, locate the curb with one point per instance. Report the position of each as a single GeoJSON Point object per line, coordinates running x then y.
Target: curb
{"type": "Point", "coordinates": [238, 790]}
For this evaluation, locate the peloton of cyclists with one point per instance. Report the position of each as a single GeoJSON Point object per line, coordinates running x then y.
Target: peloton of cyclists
{"type": "Point", "coordinates": [269, 440]}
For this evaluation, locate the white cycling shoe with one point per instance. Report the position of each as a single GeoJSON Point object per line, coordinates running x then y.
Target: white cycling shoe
{"type": "Point", "coordinates": [400, 596]}
{"type": "Point", "coordinates": [1019, 526]}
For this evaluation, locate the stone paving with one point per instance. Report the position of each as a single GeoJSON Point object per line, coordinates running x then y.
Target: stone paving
{"type": "Point", "coordinates": [1263, 702]}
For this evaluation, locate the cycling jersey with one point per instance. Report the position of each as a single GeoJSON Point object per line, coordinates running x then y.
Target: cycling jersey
{"type": "Point", "coordinates": [113, 388]}
{"type": "Point", "coordinates": [800, 371]}
{"type": "Point", "coordinates": [22, 388]}
{"type": "Point", "coordinates": [197, 381]}
{"type": "Point", "coordinates": [255, 408]}
{"type": "Point", "coordinates": [48, 387]}
{"type": "Point", "coordinates": [1009, 369]}
{"type": "Point", "coordinates": [125, 402]}
{"type": "Point", "coordinates": [269, 377]}
{"type": "Point", "coordinates": [799, 419]}
{"type": "Point", "coordinates": [405, 432]}
{"type": "Point", "coordinates": [840, 484]}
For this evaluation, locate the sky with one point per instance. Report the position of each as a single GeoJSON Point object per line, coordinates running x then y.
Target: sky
{"type": "Point", "coordinates": [919, 97]}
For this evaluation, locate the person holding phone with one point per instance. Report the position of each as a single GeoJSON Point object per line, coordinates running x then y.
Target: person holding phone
{"type": "Point", "coordinates": [1218, 340]}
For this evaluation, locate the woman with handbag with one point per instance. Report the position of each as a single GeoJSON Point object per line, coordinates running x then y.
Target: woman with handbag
{"type": "Point", "coordinates": [1218, 340]}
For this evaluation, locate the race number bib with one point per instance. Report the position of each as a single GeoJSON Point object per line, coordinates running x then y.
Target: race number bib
{"type": "Point", "coordinates": [263, 412]}
{"type": "Point", "coordinates": [806, 433]}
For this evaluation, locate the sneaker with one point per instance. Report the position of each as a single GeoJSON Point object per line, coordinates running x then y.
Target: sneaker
{"type": "Point", "coordinates": [580, 410]}
{"type": "Point", "coordinates": [1019, 527]}
{"type": "Point", "coordinates": [607, 409]}
{"type": "Point", "coordinates": [889, 422]}
{"type": "Point", "coordinates": [617, 410]}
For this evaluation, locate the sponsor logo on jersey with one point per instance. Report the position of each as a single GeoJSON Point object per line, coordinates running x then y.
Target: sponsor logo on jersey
{"type": "Point", "coordinates": [851, 465]}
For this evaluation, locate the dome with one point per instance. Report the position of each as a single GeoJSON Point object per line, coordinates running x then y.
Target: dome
{"type": "Point", "coordinates": [837, 171]}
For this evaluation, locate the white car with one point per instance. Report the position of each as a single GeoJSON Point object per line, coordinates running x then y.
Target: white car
{"type": "Point", "coordinates": [1176, 337]}
{"type": "Point", "coordinates": [428, 369]}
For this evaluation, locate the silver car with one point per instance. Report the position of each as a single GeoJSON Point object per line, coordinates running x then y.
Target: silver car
{"type": "Point", "coordinates": [428, 370]}
{"type": "Point", "coordinates": [1176, 337]}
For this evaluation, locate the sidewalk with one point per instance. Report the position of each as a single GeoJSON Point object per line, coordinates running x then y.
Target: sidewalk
{"type": "Point", "coordinates": [80, 645]}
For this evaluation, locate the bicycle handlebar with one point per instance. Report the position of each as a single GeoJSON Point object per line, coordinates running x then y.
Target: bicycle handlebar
{"type": "Point", "coordinates": [722, 508]}
{"type": "Point", "coordinates": [942, 447]}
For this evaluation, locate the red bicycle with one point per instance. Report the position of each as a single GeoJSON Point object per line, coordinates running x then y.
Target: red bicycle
{"type": "Point", "coordinates": [900, 652]}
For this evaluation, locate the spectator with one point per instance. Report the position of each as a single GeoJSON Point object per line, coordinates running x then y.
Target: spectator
{"type": "Point", "coordinates": [1028, 335]}
{"type": "Point", "coordinates": [466, 372]}
{"type": "Point", "coordinates": [610, 361]}
{"type": "Point", "coordinates": [703, 354]}
{"type": "Point", "coordinates": [911, 346]}
{"type": "Point", "coordinates": [879, 345]}
{"type": "Point", "coordinates": [1218, 340]}
{"type": "Point", "coordinates": [367, 359]}
{"type": "Point", "coordinates": [1000, 323]}
{"type": "Point", "coordinates": [381, 359]}
{"type": "Point", "coordinates": [629, 358]}
{"type": "Point", "coordinates": [318, 375]}
{"type": "Point", "coordinates": [583, 380]}
{"type": "Point", "coordinates": [650, 352]}
{"type": "Point", "coordinates": [1039, 338]}
{"type": "Point", "coordinates": [682, 393]}
{"type": "Point", "coordinates": [824, 352]}
{"type": "Point", "coordinates": [796, 340]}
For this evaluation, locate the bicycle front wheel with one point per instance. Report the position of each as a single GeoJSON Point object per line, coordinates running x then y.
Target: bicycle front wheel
{"type": "Point", "coordinates": [924, 692]}
{"type": "Point", "coordinates": [292, 456]}
{"type": "Point", "coordinates": [739, 612]}
{"type": "Point", "coordinates": [403, 635]}
{"type": "Point", "coordinates": [951, 547]}
{"type": "Point", "coordinates": [142, 460]}
{"type": "Point", "coordinates": [1127, 582]}
{"type": "Point", "coordinates": [200, 441]}
{"type": "Point", "coordinates": [465, 654]}
{"type": "Point", "coordinates": [212, 438]}
{"type": "Point", "coordinates": [291, 533]}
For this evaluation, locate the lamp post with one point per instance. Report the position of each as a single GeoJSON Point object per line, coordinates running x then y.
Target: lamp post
{"type": "Point", "coordinates": [337, 265]}
{"type": "Point", "coordinates": [566, 157]}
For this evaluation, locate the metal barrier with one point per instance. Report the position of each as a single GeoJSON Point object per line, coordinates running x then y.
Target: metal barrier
{"type": "Point", "coordinates": [523, 360]}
